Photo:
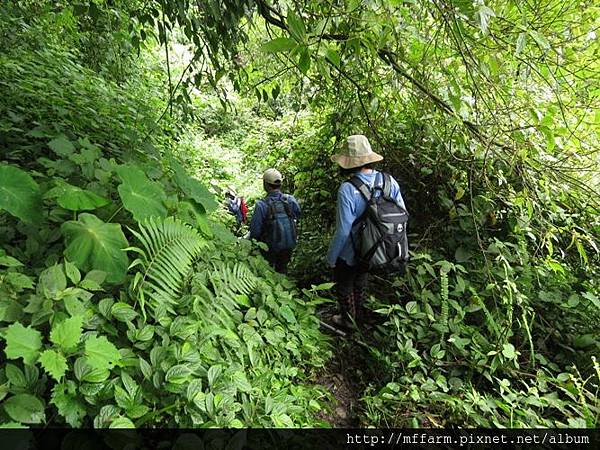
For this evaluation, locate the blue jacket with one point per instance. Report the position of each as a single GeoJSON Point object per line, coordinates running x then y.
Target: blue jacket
{"type": "Point", "coordinates": [350, 206]}
{"type": "Point", "coordinates": [261, 209]}
{"type": "Point", "coordinates": [234, 207]}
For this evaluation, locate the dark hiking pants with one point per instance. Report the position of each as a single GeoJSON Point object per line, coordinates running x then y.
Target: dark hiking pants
{"type": "Point", "coordinates": [279, 260]}
{"type": "Point", "coordinates": [351, 287]}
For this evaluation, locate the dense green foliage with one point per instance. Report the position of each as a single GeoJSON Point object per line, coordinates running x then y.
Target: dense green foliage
{"type": "Point", "coordinates": [126, 301]}
{"type": "Point", "coordinates": [181, 336]}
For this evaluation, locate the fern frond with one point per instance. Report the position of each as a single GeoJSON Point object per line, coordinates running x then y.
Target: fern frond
{"type": "Point", "coordinates": [169, 250]}
{"type": "Point", "coordinates": [237, 279]}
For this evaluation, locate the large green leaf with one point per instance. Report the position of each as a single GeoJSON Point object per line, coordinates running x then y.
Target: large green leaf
{"type": "Point", "coordinates": [121, 422]}
{"type": "Point", "coordinates": [62, 146]}
{"type": "Point", "coordinates": [101, 353]}
{"type": "Point", "coordinates": [52, 281]}
{"type": "Point", "coordinates": [64, 397]}
{"type": "Point", "coordinates": [304, 60]}
{"type": "Point", "coordinates": [22, 342]}
{"type": "Point", "coordinates": [25, 408]}
{"type": "Point", "coordinates": [20, 194]}
{"type": "Point", "coordinates": [280, 44]}
{"type": "Point", "coordinates": [74, 198]}
{"type": "Point", "coordinates": [54, 363]}
{"type": "Point", "coordinates": [66, 334]}
{"type": "Point", "coordinates": [140, 196]}
{"type": "Point", "coordinates": [94, 244]}
{"type": "Point", "coordinates": [193, 188]}
{"type": "Point", "coordinates": [296, 26]}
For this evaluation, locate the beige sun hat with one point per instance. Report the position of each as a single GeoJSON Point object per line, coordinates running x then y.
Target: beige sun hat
{"type": "Point", "coordinates": [272, 176]}
{"type": "Point", "coordinates": [357, 152]}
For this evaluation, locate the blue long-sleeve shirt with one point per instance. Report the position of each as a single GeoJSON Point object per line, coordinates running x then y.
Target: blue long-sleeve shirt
{"type": "Point", "coordinates": [261, 209]}
{"type": "Point", "coordinates": [234, 207]}
{"type": "Point", "coordinates": [350, 206]}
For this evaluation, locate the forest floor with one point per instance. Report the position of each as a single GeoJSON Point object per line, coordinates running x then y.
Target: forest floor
{"type": "Point", "coordinates": [344, 376]}
{"type": "Point", "coordinates": [339, 378]}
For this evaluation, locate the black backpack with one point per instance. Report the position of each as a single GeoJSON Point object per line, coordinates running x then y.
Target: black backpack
{"type": "Point", "coordinates": [379, 235]}
{"type": "Point", "coordinates": [280, 227]}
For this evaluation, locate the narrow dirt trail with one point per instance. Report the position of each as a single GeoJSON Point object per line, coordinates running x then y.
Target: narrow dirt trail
{"type": "Point", "coordinates": [339, 379]}
{"type": "Point", "coordinates": [346, 375]}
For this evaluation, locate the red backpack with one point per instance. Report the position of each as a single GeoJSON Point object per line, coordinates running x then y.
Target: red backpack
{"type": "Point", "coordinates": [243, 209]}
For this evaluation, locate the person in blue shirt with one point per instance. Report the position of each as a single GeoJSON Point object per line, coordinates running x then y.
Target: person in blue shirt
{"type": "Point", "coordinates": [234, 205]}
{"type": "Point", "coordinates": [274, 221]}
{"type": "Point", "coordinates": [356, 159]}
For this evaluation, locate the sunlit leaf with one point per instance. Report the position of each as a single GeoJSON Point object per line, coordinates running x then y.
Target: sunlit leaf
{"type": "Point", "coordinates": [54, 363]}
{"type": "Point", "coordinates": [93, 244]}
{"type": "Point", "coordinates": [280, 44]}
{"type": "Point", "coordinates": [521, 42]}
{"type": "Point", "coordinates": [101, 353]}
{"type": "Point", "coordinates": [74, 198]}
{"type": "Point", "coordinates": [22, 342]}
{"type": "Point", "coordinates": [67, 333]}
{"type": "Point", "coordinates": [540, 39]}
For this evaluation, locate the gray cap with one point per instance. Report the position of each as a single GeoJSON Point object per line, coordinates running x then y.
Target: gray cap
{"type": "Point", "coordinates": [272, 176]}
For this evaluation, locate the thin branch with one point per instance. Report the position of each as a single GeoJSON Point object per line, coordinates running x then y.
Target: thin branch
{"type": "Point", "coordinates": [168, 62]}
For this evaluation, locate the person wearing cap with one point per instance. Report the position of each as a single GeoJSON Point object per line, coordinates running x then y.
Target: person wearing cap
{"type": "Point", "coordinates": [356, 159]}
{"type": "Point", "coordinates": [272, 180]}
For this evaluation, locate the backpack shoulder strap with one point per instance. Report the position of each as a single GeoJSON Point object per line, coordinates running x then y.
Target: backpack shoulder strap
{"type": "Point", "coordinates": [286, 205]}
{"type": "Point", "coordinates": [361, 187]}
{"type": "Point", "coordinates": [387, 185]}
{"type": "Point", "coordinates": [270, 208]}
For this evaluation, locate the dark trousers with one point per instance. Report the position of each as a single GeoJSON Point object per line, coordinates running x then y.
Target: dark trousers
{"type": "Point", "coordinates": [351, 287]}
{"type": "Point", "coordinates": [279, 260]}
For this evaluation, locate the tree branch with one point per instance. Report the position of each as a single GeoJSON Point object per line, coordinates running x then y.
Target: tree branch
{"type": "Point", "coordinates": [267, 11]}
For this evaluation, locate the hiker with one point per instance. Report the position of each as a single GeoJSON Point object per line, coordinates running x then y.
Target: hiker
{"type": "Point", "coordinates": [236, 206]}
{"type": "Point", "coordinates": [274, 221]}
{"type": "Point", "coordinates": [352, 251]}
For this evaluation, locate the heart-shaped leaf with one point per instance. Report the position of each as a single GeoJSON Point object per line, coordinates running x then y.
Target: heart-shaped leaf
{"type": "Point", "coordinates": [94, 244]}
{"type": "Point", "coordinates": [74, 198]}
{"type": "Point", "coordinates": [140, 196]}
{"type": "Point", "coordinates": [20, 194]}
{"type": "Point", "coordinates": [193, 188]}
